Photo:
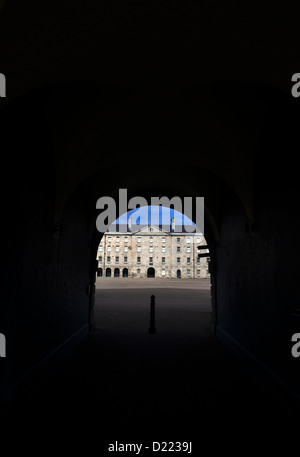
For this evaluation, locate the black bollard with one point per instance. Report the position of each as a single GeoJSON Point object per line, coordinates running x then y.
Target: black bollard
{"type": "Point", "coordinates": [152, 328]}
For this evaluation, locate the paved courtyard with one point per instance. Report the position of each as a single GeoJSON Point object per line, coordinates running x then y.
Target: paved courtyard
{"type": "Point", "coordinates": [181, 306]}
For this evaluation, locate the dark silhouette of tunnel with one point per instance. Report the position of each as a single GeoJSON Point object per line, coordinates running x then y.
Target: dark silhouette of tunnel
{"type": "Point", "coordinates": [236, 149]}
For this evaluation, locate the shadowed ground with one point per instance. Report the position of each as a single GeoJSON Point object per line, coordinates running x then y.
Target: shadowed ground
{"type": "Point", "coordinates": [123, 384]}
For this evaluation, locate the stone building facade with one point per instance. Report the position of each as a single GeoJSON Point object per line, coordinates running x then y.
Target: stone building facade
{"type": "Point", "coordinates": [152, 252]}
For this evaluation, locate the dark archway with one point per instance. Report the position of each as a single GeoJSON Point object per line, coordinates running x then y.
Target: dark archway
{"type": "Point", "coordinates": [178, 274]}
{"type": "Point", "coordinates": [151, 272]}
{"type": "Point", "coordinates": [100, 272]}
{"type": "Point", "coordinates": [117, 273]}
{"type": "Point", "coordinates": [108, 273]}
{"type": "Point", "coordinates": [125, 272]}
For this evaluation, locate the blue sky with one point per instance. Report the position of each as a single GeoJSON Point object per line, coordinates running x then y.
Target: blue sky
{"type": "Point", "coordinates": [157, 215]}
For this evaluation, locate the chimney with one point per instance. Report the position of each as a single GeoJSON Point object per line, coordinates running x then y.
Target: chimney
{"type": "Point", "coordinates": [172, 224]}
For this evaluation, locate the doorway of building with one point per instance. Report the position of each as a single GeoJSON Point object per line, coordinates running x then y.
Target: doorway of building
{"type": "Point", "coordinates": [150, 272]}
{"type": "Point", "coordinates": [178, 273]}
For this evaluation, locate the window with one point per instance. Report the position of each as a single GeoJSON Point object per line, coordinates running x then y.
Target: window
{"type": "Point", "coordinates": [163, 259]}
{"type": "Point", "coordinates": [138, 271]}
{"type": "Point", "coordinates": [108, 258]}
{"type": "Point", "coordinates": [198, 259]}
{"type": "Point", "coordinates": [198, 272]}
{"type": "Point", "coordinates": [117, 259]}
{"type": "Point", "coordinates": [198, 241]}
{"type": "Point", "coordinates": [178, 248]}
{"type": "Point", "coordinates": [163, 249]}
{"type": "Point", "coordinates": [125, 259]}
{"type": "Point", "coordinates": [188, 271]}
{"type": "Point", "coordinates": [138, 259]}
{"type": "Point", "coordinates": [188, 260]}
{"type": "Point", "coordinates": [188, 240]}
{"type": "Point", "coordinates": [125, 248]}
{"type": "Point", "coordinates": [151, 229]}
{"type": "Point", "coordinates": [178, 259]}
{"type": "Point", "coordinates": [178, 240]}
{"type": "Point", "coordinates": [163, 272]}
{"type": "Point", "coordinates": [151, 260]}
{"type": "Point", "coordinates": [151, 249]}
{"type": "Point", "coordinates": [139, 248]}
{"type": "Point", "coordinates": [126, 239]}
{"type": "Point", "coordinates": [100, 258]}
{"type": "Point", "coordinates": [109, 248]}
{"type": "Point", "coordinates": [109, 239]}
{"type": "Point", "coordinates": [117, 248]}
{"type": "Point", "coordinates": [163, 240]}
{"type": "Point", "coordinates": [139, 239]}
{"type": "Point", "coordinates": [188, 249]}
{"type": "Point", "coordinates": [151, 239]}
{"type": "Point", "coordinates": [117, 239]}
{"type": "Point", "coordinates": [100, 248]}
